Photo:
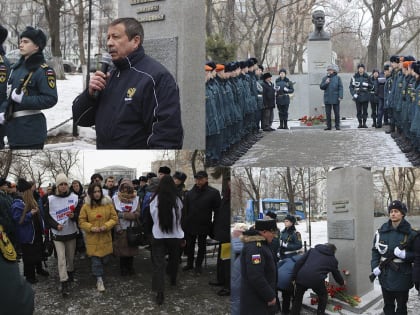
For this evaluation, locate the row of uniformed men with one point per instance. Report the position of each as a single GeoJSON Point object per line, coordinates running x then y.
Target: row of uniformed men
{"type": "Point", "coordinates": [402, 102]}
{"type": "Point", "coordinates": [233, 109]}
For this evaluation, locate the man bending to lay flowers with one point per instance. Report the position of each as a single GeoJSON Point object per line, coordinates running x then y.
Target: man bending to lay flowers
{"type": "Point", "coordinates": [310, 272]}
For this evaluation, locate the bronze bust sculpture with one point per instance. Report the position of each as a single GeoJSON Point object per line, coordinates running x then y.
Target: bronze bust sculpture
{"type": "Point", "coordinates": [318, 19]}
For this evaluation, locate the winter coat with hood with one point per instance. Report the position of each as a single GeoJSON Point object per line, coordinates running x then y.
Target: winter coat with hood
{"type": "Point", "coordinates": [258, 275]}
{"type": "Point", "coordinates": [312, 269]}
{"type": "Point", "coordinates": [98, 244]}
{"type": "Point", "coordinates": [390, 237]}
{"type": "Point", "coordinates": [138, 109]}
{"type": "Point", "coordinates": [39, 93]}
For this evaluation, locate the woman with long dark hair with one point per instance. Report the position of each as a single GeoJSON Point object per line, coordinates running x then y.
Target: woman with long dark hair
{"type": "Point", "coordinates": [165, 210]}
{"type": "Point", "coordinates": [30, 226]}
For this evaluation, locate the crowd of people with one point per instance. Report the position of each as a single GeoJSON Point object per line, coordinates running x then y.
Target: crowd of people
{"type": "Point", "coordinates": [70, 220]}
{"type": "Point", "coordinates": [129, 78]}
{"type": "Point", "coordinates": [267, 262]}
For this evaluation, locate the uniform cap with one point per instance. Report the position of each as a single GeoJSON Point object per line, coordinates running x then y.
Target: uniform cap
{"type": "Point", "coordinates": [283, 70]}
{"type": "Point", "coordinates": [180, 176]}
{"type": "Point", "coordinates": [290, 218]}
{"type": "Point", "coordinates": [396, 204]}
{"type": "Point", "coordinates": [266, 75]}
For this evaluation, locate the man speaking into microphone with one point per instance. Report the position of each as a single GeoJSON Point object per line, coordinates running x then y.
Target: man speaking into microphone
{"type": "Point", "coordinates": [134, 103]}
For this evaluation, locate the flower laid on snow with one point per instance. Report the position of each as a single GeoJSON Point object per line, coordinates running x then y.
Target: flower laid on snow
{"type": "Point", "coordinates": [340, 293]}
{"type": "Point", "coordinates": [346, 272]}
{"type": "Point", "coordinates": [312, 120]}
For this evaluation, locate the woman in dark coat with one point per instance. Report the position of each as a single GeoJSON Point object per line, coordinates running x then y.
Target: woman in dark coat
{"type": "Point", "coordinates": [269, 102]}
{"type": "Point", "coordinates": [284, 88]}
{"type": "Point", "coordinates": [30, 227]}
{"type": "Point", "coordinates": [310, 272]}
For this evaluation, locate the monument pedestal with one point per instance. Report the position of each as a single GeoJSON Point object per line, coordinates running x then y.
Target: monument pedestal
{"type": "Point", "coordinates": [350, 224]}
{"type": "Point", "coordinates": [319, 57]}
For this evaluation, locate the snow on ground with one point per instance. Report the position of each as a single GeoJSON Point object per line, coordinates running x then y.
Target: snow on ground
{"type": "Point", "coordinates": [59, 120]}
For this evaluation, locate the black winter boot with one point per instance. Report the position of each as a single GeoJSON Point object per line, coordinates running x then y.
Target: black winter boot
{"type": "Point", "coordinates": [360, 123]}
{"type": "Point", "coordinates": [364, 124]}
{"type": "Point", "coordinates": [65, 289]}
{"type": "Point", "coordinates": [285, 125]}
{"type": "Point", "coordinates": [281, 125]}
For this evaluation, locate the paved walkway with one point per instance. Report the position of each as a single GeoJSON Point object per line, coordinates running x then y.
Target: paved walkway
{"type": "Point", "coordinates": [302, 146]}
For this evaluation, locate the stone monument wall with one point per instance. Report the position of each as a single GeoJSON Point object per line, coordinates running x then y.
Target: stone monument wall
{"type": "Point", "coordinates": [350, 224]}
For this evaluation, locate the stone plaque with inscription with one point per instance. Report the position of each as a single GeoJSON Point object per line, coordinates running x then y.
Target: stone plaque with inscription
{"type": "Point", "coordinates": [164, 50]}
{"type": "Point", "coordinates": [341, 229]}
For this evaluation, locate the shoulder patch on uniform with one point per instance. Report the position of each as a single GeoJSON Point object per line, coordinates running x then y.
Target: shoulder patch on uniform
{"type": "Point", "coordinates": [51, 78]}
{"type": "Point", "coordinates": [44, 65]}
{"type": "Point", "coordinates": [256, 259]}
{"type": "Point", "coordinates": [6, 247]}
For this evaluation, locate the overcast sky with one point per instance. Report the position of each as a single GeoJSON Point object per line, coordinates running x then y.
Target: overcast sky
{"type": "Point", "coordinates": [139, 159]}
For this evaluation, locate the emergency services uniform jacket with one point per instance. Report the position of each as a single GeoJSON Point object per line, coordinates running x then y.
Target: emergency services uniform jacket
{"type": "Point", "coordinates": [138, 109]}
{"type": "Point", "coordinates": [28, 125]}
{"type": "Point", "coordinates": [384, 243]}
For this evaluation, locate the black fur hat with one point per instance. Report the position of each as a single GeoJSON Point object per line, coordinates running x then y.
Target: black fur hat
{"type": "Point", "coordinates": [394, 58]}
{"type": "Point", "coordinates": [37, 36]}
{"type": "Point", "coordinates": [396, 204]}
{"type": "Point", "coordinates": [180, 176]}
{"type": "Point", "coordinates": [164, 170]}
{"type": "Point", "coordinates": [266, 76]}
{"type": "Point", "coordinates": [290, 218]}
{"type": "Point", "coordinates": [266, 225]}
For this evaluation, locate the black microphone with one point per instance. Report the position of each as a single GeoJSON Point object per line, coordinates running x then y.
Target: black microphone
{"type": "Point", "coordinates": [105, 63]}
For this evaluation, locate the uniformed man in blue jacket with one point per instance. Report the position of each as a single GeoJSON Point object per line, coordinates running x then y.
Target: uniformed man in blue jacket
{"type": "Point", "coordinates": [136, 104]}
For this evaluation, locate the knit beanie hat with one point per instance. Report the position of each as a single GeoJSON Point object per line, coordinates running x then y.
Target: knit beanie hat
{"type": "Point", "coordinates": [61, 178]}
{"type": "Point", "coordinates": [23, 185]}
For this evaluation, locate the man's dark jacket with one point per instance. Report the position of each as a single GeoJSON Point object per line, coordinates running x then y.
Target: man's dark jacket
{"type": "Point", "coordinates": [138, 109]}
{"type": "Point", "coordinates": [199, 205]}
{"type": "Point", "coordinates": [313, 268]}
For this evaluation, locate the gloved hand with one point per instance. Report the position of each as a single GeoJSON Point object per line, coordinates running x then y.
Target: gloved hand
{"type": "Point", "coordinates": [365, 84]}
{"type": "Point", "coordinates": [399, 253]}
{"type": "Point", "coordinates": [377, 271]}
{"type": "Point", "coordinates": [355, 95]}
{"type": "Point", "coordinates": [286, 89]}
{"type": "Point", "coordinates": [17, 97]}
{"type": "Point", "coordinates": [1, 118]}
